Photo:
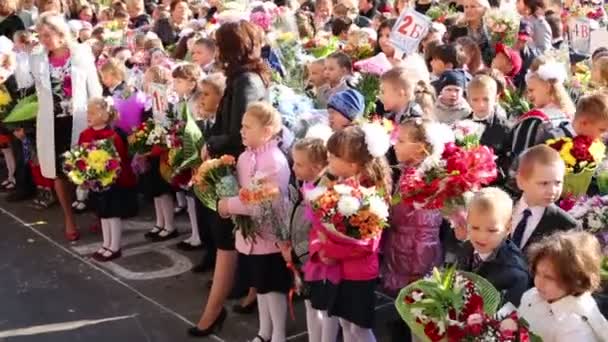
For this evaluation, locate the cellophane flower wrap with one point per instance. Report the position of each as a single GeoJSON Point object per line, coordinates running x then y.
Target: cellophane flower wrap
{"type": "Point", "coordinates": [467, 133]}
{"type": "Point", "coordinates": [272, 207]}
{"type": "Point", "coordinates": [440, 12]}
{"type": "Point", "coordinates": [592, 212]}
{"type": "Point", "coordinates": [146, 136]}
{"type": "Point", "coordinates": [581, 155]}
{"type": "Point", "coordinates": [184, 141]}
{"type": "Point", "coordinates": [95, 165]}
{"type": "Point", "coordinates": [502, 26]}
{"type": "Point", "coordinates": [349, 212]}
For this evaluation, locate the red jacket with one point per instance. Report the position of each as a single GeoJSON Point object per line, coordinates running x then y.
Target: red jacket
{"type": "Point", "coordinates": [126, 179]}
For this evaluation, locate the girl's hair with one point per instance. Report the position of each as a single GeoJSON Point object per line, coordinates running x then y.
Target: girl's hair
{"type": "Point", "coordinates": [576, 257]}
{"type": "Point", "coordinates": [188, 71]}
{"type": "Point", "coordinates": [217, 81]}
{"type": "Point", "coordinates": [350, 145]}
{"type": "Point", "coordinates": [421, 92]}
{"type": "Point", "coordinates": [558, 91]}
{"type": "Point", "coordinates": [159, 74]}
{"type": "Point", "coordinates": [602, 65]}
{"type": "Point", "coordinates": [114, 67]}
{"type": "Point", "coordinates": [472, 53]}
{"type": "Point", "coordinates": [106, 104]}
{"type": "Point", "coordinates": [55, 23]}
{"type": "Point", "coordinates": [536, 7]}
{"type": "Point", "coordinates": [266, 115]}
{"type": "Point", "coordinates": [343, 60]}
{"type": "Point", "coordinates": [387, 24]}
{"type": "Point", "coordinates": [239, 45]}
{"type": "Point", "coordinates": [315, 150]}
{"type": "Point", "coordinates": [418, 130]}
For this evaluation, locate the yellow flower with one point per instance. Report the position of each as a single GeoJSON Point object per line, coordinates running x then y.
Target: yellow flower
{"type": "Point", "coordinates": [566, 155]}
{"type": "Point", "coordinates": [76, 177]}
{"type": "Point", "coordinates": [97, 160]}
{"type": "Point", "coordinates": [597, 150]}
{"type": "Point", "coordinates": [5, 98]}
{"type": "Point", "coordinates": [108, 179]}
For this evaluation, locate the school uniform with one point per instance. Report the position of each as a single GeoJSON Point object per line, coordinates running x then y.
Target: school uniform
{"type": "Point", "coordinates": [505, 268]}
{"type": "Point", "coordinates": [495, 135]}
{"type": "Point", "coordinates": [538, 222]}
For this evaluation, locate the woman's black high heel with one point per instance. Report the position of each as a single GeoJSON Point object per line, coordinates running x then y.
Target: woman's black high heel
{"type": "Point", "coordinates": [214, 327]}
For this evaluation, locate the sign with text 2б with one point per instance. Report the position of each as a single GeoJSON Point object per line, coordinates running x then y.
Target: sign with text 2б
{"type": "Point", "coordinates": [409, 30]}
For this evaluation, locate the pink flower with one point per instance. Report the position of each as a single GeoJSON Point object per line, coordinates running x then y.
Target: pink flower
{"type": "Point", "coordinates": [67, 85]}
{"type": "Point", "coordinates": [113, 164]}
{"type": "Point", "coordinates": [262, 19]}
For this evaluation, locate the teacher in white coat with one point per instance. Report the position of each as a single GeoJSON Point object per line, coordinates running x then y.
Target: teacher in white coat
{"type": "Point", "coordinates": [65, 77]}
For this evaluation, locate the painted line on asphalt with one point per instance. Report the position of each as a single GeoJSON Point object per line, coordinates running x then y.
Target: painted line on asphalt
{"type": "Point", "coordinates": [108, 274]}
{"type": "Point", "coordinates": [57, 327]}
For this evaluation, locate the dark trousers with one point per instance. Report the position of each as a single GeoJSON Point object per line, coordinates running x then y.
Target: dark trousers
{"type": "Point", "coordinates": [24, 182]}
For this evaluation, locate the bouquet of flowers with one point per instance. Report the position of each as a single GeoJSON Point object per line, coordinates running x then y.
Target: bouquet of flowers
{"type": "Point", "coordinates": [291, 105]}
{"type": "Point", "coordinates": [348, 211]}
{"type": "Point", "coordinates": [293, 60]}
{"type": "Point", "coordinates": [592, 212]}
{"type": "Point", "coordinates": [271, 206]}
{"type": "Point", "coordinates": [467, 133]}
{"type": "Point", "coordinates": [503, 26]}
{"type": "Point", "coordinates": [514, 103]}
{"type": "Point", "coordinates": [369, 86]}
{"type": "Point", "coordinates": [96, 165]}
{"type": "Point", "coordinates": [25, 109]}
{"type": "Point", "coordinates": [148, 135]}
{"type": "Point", "coordinates": [581, 155]}
{"type": "Point", "coordinates": [322, 45]}
{"type": "Point", "coordinates": [440, 12]}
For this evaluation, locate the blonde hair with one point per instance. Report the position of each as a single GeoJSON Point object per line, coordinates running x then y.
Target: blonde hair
{"type": "Point", "coordinates": [217, 81]}
{"type": "Point", "coordinates": [537, 155]}
{"type": "Point", "coordinates": [266, 115]}
{"type": "Point", "coordinates": [315, 150]}
{"type": "Point", "coordinates": [114, 67]}
{"type": "Point", "coordinates": [593, 107]}
{"type": "Point", "coordinates": [492, 200]}
{"type": "Point", "coordinates": [56, 23]}
{"type": "Point", "coordinates": [420, 92]}
{"type": "Point", "coordinates": [602, 65]}
{"type": "Point", "coordinates": [483, 82]}
{"type": "Point", "coordinates": [558, 92]}
{"type": "Point", "coordinates": [106, 105]}
{"type": "Point", "coordinates": [159, 74]}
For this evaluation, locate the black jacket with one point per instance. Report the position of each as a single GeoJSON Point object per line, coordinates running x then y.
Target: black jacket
{"type": "Point", "coordinates": [506, 269]}
{"type": "Point", "coordinates": [225, 135]}
{"type": "Point", "coordinates": [10, 25]}
{"type": "Point", "coordinates": [554, 219]}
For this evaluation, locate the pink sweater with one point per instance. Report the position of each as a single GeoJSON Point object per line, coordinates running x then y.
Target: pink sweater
{"type": "Point", "coordinates": [267, 162]}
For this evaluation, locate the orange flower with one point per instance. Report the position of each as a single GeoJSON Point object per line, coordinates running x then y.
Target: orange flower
{"type": "Point", "coordinates": [227, 159]}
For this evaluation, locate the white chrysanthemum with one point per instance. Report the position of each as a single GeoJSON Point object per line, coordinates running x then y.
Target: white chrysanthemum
{"type": "Point", "coordinates": [465, 128]}
{"type": "Point", "coordinates": [348, 205]}
{"type": "Point", "coordinates": [437, 135]}
{"type": "Point", "coordinates": [343, 189]}
{"type": "Point", "coordinates": [367, 191]}
{"type": "Point", "coordinates": [314, 193]}
{"type": "Point", "coordinates": [417, 296]}
{"type": "Point", "coordinates": [377, 139]}
{"type": "Point", "coordinates": [594, 223]}
{"type": "Point", "coordinates": [319, 131]}
{"type": "Point", "coordinates": [378, 207]}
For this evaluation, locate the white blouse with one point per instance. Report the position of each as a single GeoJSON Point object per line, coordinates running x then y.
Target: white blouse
{"type": "Point", "coordinates": [566, 320]}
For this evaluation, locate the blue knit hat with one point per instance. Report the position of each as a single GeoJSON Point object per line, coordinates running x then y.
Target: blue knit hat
{"type": "Point", "coordinates": [350, 103]}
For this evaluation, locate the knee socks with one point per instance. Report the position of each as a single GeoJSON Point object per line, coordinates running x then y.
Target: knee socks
{"type": "Point", "coordinates": [355, 333]}
{"type": "Point", "coordinates": [180, 196]}
{"type": "Point", "coordinates": [272, 309]}
{"type": "Point", "coordinates": [106, 232]}
{"type": "Point", "coordinates": [195, 238]}
{"type": "Point", "coordinates": [116, 233]}
{"type": "Point", "coordinates": [158, 209]}
{"type": "Point", "coordinates": [11, 165]}
{"type": "Point", "coordinates": [167, 209]}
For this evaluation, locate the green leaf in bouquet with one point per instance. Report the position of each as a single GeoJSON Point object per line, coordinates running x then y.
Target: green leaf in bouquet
{"type": "Point", "coordinates": [192, 142]}
{"type": "Point", "coordinates": [25, 109]}
{"type": "Point", "coordinates": [369, 87]}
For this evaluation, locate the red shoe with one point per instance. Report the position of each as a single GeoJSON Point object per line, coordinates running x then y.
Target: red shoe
{"type": "Point", "coordinates": [72, 235]}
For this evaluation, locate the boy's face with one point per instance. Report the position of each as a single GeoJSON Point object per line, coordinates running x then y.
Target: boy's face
{"type": "Point", "coordinates": [19, 133]}
{"type": "Point", "coordinates": [481, 101]}
{"type": "Point", "coordinates": [438, 66]}
{"type": "Point", "coordinates": [316, 74]}
{"type": "Point", "coordinates": [486, 229]}
{"type": "Point", "coordinates": [303, 168]}
{"type": "Point", "coordinates": [333, 72]}
{"type": "Point", "coordinates": [502, 63]}
{"type": "Point", "coordinates": [594, 129]}
{"type": "Point", "coordinates": [201, 55]}
{"type": "Point", "coordinates": [543, 185]}
{"type": "Point", "coordinates": [210, 99]}
{"type": "Point", "coordinates": [108, 79]}
{"type": "Point", "coordinates": [337, 121]}
{"type": "Point", "coordinates": [450, 95]}
{"type": "Point", "coordinates": [392, 97]}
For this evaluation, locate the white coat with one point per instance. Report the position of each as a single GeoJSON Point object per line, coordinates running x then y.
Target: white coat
{"type": "Point", "coordinates": [569, 319]}
{"type": "Point", "coordinates": [85, 84]}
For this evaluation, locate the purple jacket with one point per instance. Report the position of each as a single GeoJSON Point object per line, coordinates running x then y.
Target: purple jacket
{"type": "Point", "coordinates": [411, 247]}
{"type": "Point", "coordinates": [270, 163]}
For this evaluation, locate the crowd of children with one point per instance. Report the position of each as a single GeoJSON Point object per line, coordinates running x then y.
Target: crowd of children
{"type": "Point", "coordinates": [168, 63]}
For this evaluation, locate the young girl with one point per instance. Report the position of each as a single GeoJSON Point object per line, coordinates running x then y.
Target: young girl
{"type": "Point", "coordinates": [353, 299]}
{"type": "Point", "coordinates": [560, 307]}
{"type": "Point", "coordinates": [309, 166]}
{"type": "Point", "coordinates": [117, 202]}
{"type": "Point", "coordinates": [552, 105]}
{"type": "Point", "coordinates": [263, 261]}
{"type": "Point", "coordinates": [338, 66]}
{"type": "Point", "coordinates": [403, 99]}
{"type": "Point", "coordinates": [533, 12]}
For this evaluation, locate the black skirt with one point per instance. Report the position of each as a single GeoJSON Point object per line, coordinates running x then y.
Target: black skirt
{"type": "Point", "coordinates": [221, 231]}
{"type": "Point", "coordinates": [151, 183]}
{"type": "Point", "coordinates": [319, 293]}
{"type": "Point", "coordinates": [267, 272]}
{"type": "Point", "coordinates": [63, 141]}
{"type": "Point", "coordinates": [354, 301]}
{"type": "Point", "coordinates": [114, 202]}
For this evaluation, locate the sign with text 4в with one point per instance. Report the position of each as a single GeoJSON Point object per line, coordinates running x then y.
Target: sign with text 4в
{"type": "Point", "coordinates": [409, 31]}
{"type": "Point", "coordinates": [579, 30]}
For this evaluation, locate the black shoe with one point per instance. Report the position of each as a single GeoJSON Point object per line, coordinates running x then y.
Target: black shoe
{"type": "Point", "coordinates": [259, 339]}
{"type": "Point", "coordinates": [245, 310]}
{"type": "Point", "coordinates": [179, 211]}
{"type": "Point", "coordinates": [152, 234]}
{"type": "Point", "coordinates": [214, 327]}
{"type": "Point", "coordinates": [187, 247]}
{"type": "Point", "coordinates": [159, 238]}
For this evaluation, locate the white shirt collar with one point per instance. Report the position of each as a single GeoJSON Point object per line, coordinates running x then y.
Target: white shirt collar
{"type": "Point", "coordinates": [484, 256]}
{"type": "Point", "coordinates": [522, 205]}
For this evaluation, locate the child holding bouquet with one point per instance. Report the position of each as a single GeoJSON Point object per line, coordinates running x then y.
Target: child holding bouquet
{"type": "Point", "coordinates": [262, 160]}
{"type": "Point", "coordinates": [119, 201]}
{"type": "Point", "coordinates": [402, 98]}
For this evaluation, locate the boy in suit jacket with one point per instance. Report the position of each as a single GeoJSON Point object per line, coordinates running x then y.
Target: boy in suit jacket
{"type": "Point", "coordinates": [488, 252]}
{"type": "Point", "coordinates": [540, 176]}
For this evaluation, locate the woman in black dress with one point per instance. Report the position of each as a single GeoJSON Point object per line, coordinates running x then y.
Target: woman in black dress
{"type": "Point", "coordinates": [248, 77]}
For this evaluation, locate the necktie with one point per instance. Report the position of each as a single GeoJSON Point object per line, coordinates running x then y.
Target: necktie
{"type": "Point", "coordinates": [518, 234]}
{"type": "Point", "coordinates": [477, 260]}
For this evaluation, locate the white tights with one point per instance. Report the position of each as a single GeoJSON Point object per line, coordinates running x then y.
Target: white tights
{"type": "Point", "coordinates": [272, 308]}
{"type": "Point", "coordinates": [321, 327]}
{"type": "Point", "coordinates": [355, 333]}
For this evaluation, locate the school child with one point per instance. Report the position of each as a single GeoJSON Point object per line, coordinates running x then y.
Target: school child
{"type": "Point", "coordinates": [540, 177]}
{"type": "Point", "coordinates": [599, 72]}
{"type": "Point", "coordinates": [488, 251]}
{"type": "Point", "coordinates": [315, 72]}
{"type": "Point", "coordinates": [351, 155]}
{"type": "Point", "coordinates": [533, 12]}
{"type": "Point", "coordinates": [120, 200]}
{"type": "Point", "coordinates": [445, 57]}
{"type": "Point", "coordinates": [203, 54]}
{"type": "Point", "coordinates": [344, 108]}
{"type": "Point", "coordinates": [451, 104]}
{"type": "Point", "coordinates": [23, 147]}
{"type": "Point", "coordinates": [560, 308]}
{"type": "Point", "coordinates": [590, 119]}
{"type": "Point", "coordinates": [338, 67]}
{"type": "Point", "coordinates": [262, 257]}
{"type": "Point", "coordinates": [402, 98]}
{"type": "Point", "coordinates": [508, 61]}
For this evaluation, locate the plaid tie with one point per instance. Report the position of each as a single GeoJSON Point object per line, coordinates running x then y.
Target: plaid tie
{"type": "Point", "coordinates": [477, 260]}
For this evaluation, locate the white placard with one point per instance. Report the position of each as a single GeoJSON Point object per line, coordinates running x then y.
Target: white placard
{"type": "Point", "coordinates": [598, 38]}
{"type": "Point", "coordinates": [579, 30]}
{"type": "Point", "coordinates": [409, 30]}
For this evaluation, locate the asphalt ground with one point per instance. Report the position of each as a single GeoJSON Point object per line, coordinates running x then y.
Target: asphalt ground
{"type": "Point", "coordinates": [51, 290]}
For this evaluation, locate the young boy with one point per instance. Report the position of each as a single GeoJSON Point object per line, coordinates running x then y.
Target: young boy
{"type": "Point", "coordinates": [508, 61]}
{"type": "Point", "coordinates": [203, 54]}
{"type": "Point", "coordinates": [488, 252]}
{"type": "Point", "coordinates": [540, 177]}
{"type": "Point", "coordinates": [23, 147]}
{"type": "Point", "coordinates": [446, 57]}
{"type": "Point", "coordinates": [344, 108]}
{"type": "Point", "coordinates": [451, 105]}
{"type": "Point", "coordinates": [590, 119]}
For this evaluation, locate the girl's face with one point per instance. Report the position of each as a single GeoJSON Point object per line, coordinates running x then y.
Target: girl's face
{"type": "Point", "coordinates": [210, 99]}
{"type": "Point", "coordinates": [334, 72]}
{"type": "Point", "coordinates": [253, 133]}
{"type": "Point", "coordinates": [342, 168]}
{"type": "Point", "coordinates": [183, 87]}
{"type": "Point", "coordinates": [50, 39]}
{"type": "Point", "coordinates": [408, 151]}
{"type": "Point", "coordinates": [473, 10]}
{"type": "Point", "coordinates": [158, 58]}
{"type": "Point", "coordinates": [86, 14]}
{"type": "Point", "coordinates": [323, 9]}
{"type": "Point", "coordinates": [538, 92]}
{"type": "Point", "coordinates": [180, 12]}
{"type": "Point", "coordinates": [522, 9]}
{"type": "Point", "coordinates": [393, 98]}
{"type": "Point", "coordinates": [385, 44]}
{"type": "Point", "coordinates": [96, 118]}
{"type": "Point", "coordinates": [303, 168]}
{"type": "Point", "coordinates": [316, 74]}
{"type": "Point", "coordinates": [109, 80]}
{"type": "Point", "coordinates": [546, 281]}
{"type": "Point", "coordinates": [201, 55]}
